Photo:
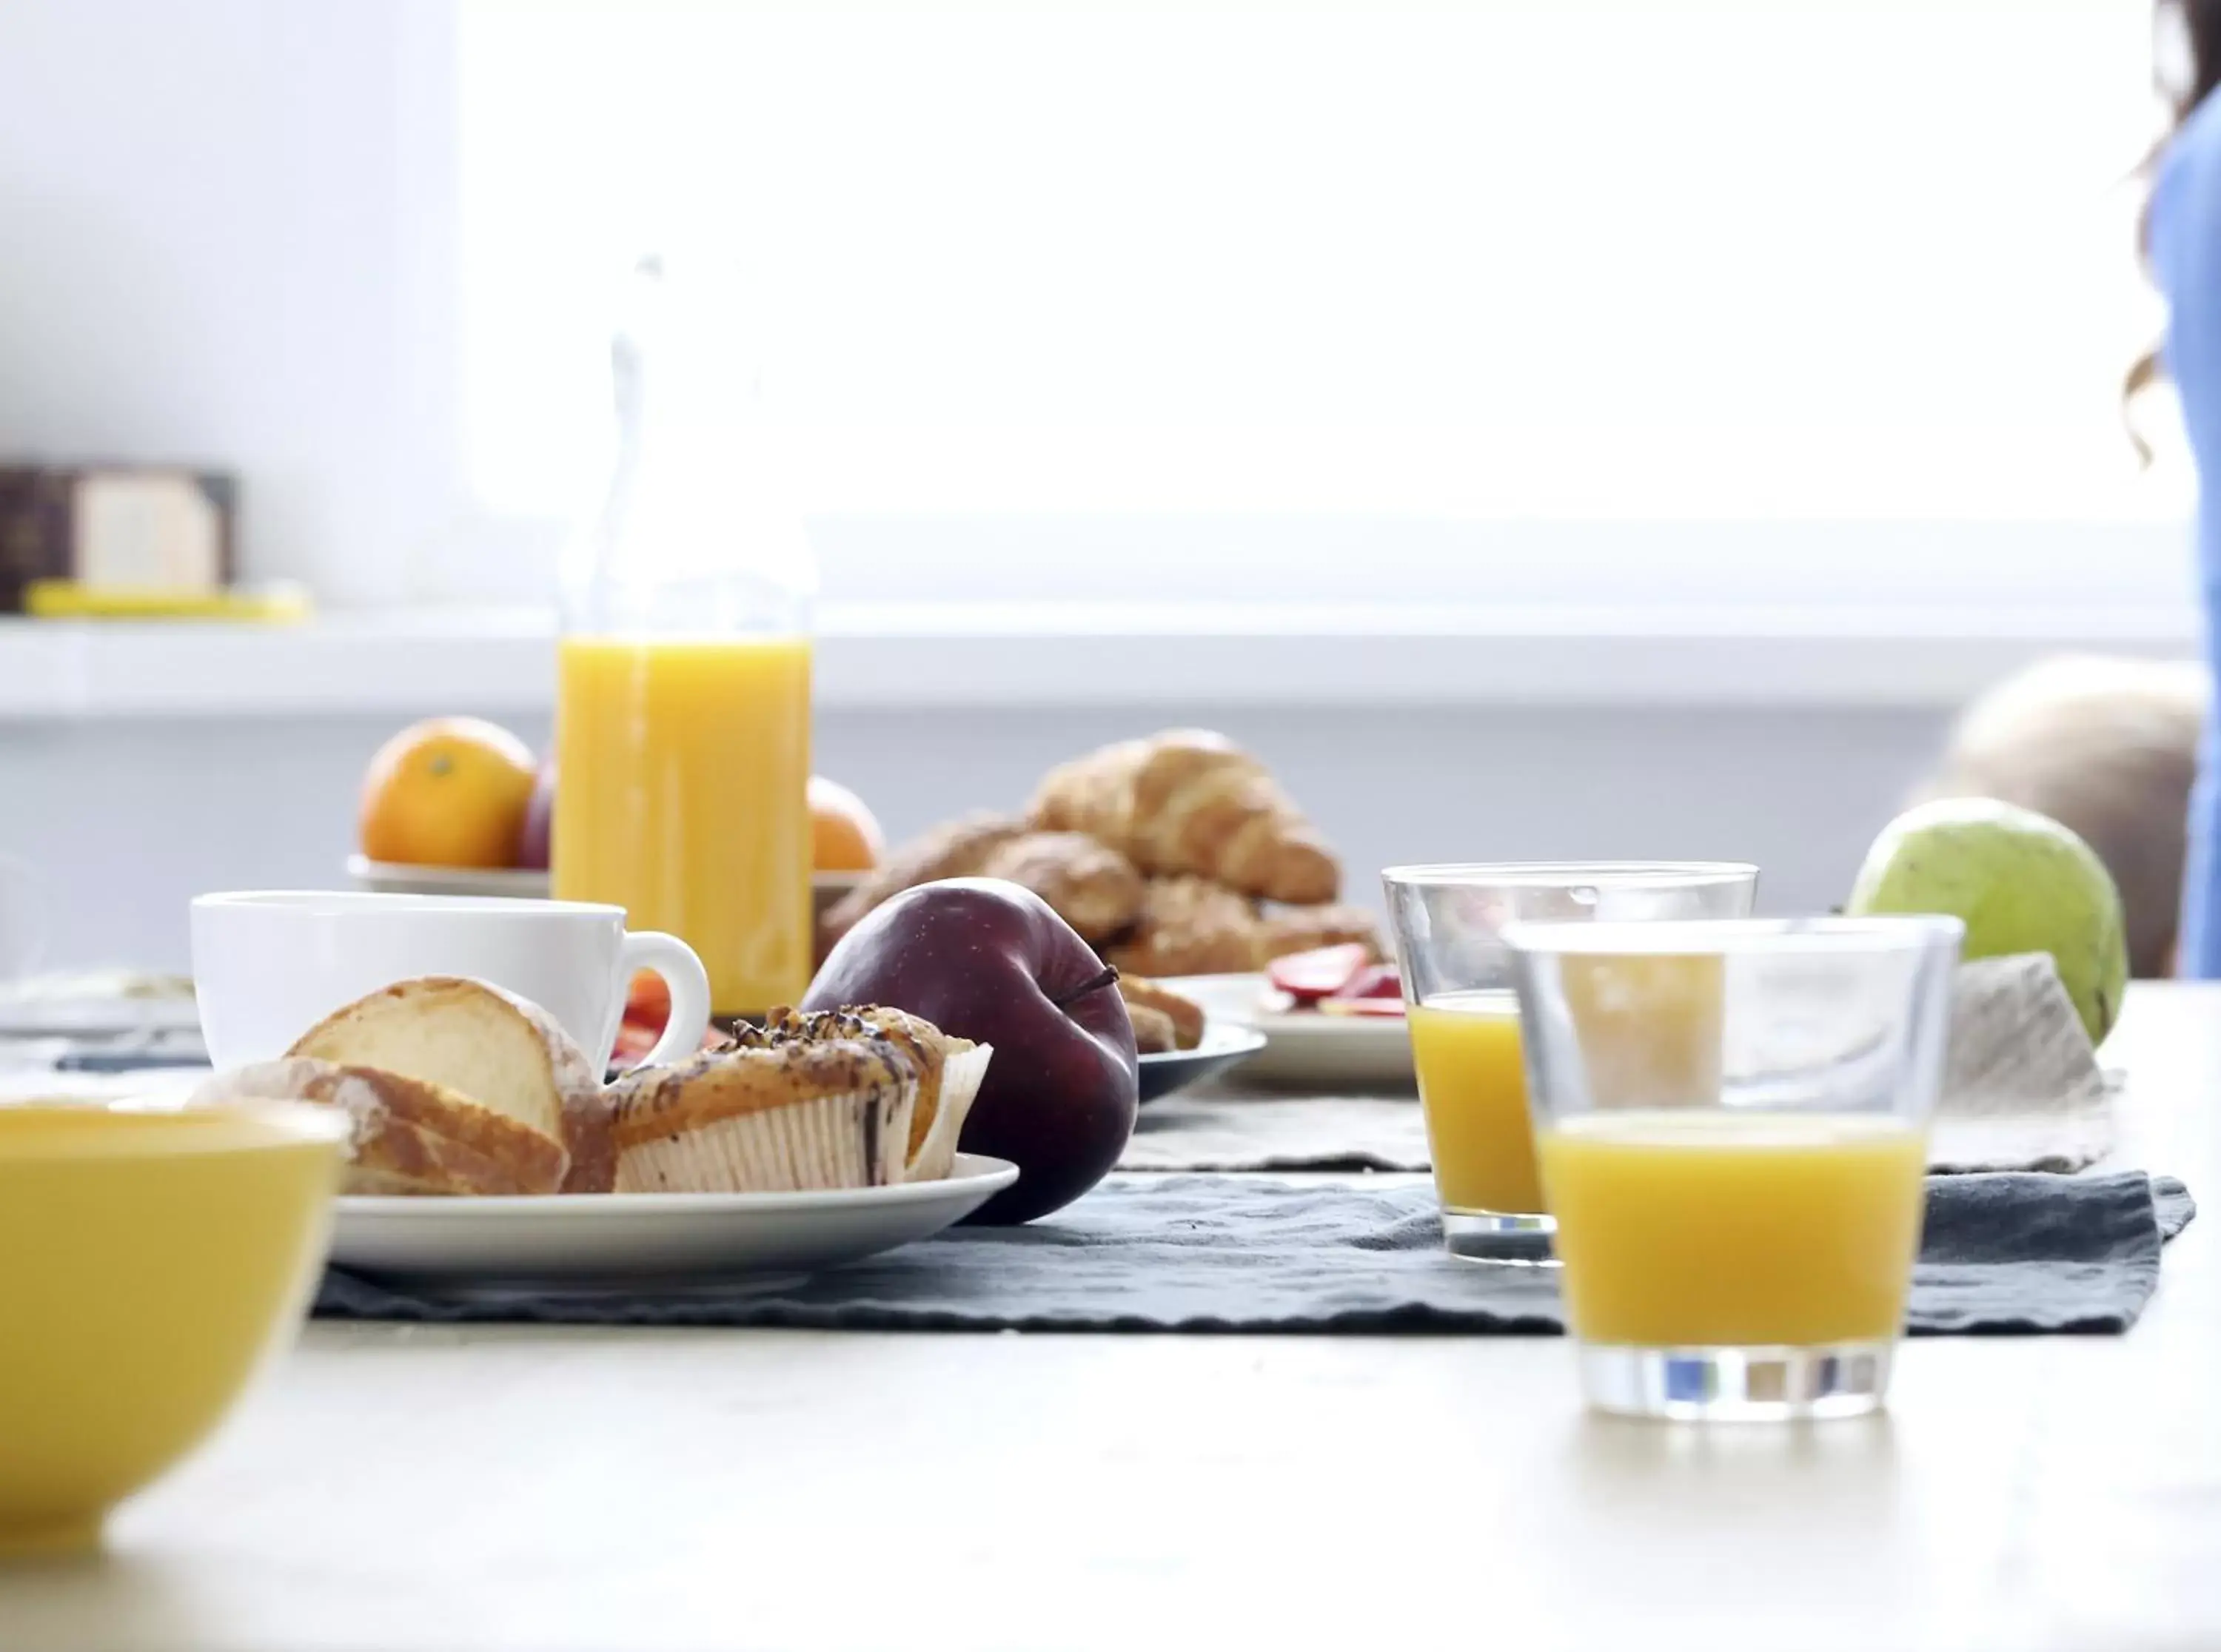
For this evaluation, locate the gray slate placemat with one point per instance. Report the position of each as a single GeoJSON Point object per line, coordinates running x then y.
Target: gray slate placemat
{"type": "Point", "coordinates": [2004, 1253]}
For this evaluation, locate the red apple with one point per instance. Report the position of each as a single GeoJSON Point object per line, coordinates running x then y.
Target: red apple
{"type": "Point", "coordinates": [534, 841]}
{"type": "Point", "coordinates": [990, 961]}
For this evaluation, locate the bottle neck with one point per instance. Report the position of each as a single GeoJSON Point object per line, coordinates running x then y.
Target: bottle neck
{"type": "Point", "coordinates": [696, 534]}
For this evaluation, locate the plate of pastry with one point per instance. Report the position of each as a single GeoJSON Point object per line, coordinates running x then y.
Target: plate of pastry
{"type": "Point", "coordinates": [1222, 1048]}
{"type": "Point", "coordinates": [651, 1241]}
{"type": "Point", "coordinates": [1330, 1040]}
{"type": "Point", "coordinates": [1178, 854]}
{"type": "Point", "coordinates": [484, 1153]}
{"type": "Point", "coordinates": [1179, 1044]}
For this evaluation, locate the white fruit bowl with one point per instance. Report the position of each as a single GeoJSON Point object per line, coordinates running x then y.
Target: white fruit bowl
{"type": "Point", "coordinates": [389, 877]}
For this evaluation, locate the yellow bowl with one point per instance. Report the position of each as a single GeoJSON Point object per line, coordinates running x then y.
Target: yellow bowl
{"type": "Point", "coordinates": [149, 1259]}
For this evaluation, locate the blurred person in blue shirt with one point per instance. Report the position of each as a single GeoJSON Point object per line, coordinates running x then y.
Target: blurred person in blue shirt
{"type": "Point", "coordinates": [2182, 248]}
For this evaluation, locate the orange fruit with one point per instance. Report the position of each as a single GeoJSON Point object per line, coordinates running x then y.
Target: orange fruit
{"type": "Point", "coordinates": [844, 838]}
{"type": "Point", "coordinates": [449, 792]}
{"type": "Point", "coordinates": [647, 1000]}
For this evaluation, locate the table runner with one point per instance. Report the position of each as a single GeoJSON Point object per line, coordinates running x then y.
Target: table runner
{"type": "Point", "coordinates": [1224, 1128]}
{"type": "Point", "coordinates": [2004, 1253]}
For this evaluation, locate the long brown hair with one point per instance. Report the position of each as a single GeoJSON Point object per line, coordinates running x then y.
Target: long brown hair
{"type": "Point", "coordinates": [2184, 84]}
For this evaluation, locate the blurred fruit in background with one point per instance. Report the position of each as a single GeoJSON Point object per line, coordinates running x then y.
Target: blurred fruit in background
{"type": "Point", "coordinates": [534, 843]}
{"type": "Point", "coordinates": [2019, 881]}
{"type": "Point", "coordinates": [845, 836]}
{"type": "Point", "coordinates": [647, 1011]}
{"type": "Point", "coordinates": [452, 791]}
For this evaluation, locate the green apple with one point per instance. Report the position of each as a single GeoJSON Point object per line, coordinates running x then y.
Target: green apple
{"type": "Point", "coordinates": [2020, 882]}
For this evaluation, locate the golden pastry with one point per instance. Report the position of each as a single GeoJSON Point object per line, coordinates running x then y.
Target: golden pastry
{"type": "Point", "coordinates": [1306, 929]}
{"type": "Point", "coordinates": [1189, 927]}
{"type": "Point", "coordinates": [1153, 1030]}
{"type": "Point", "coordinates": [958, 849]}
{"type": "Point", "coordinates": [760, 1120]}
{"type": "Point", "coordinates": [949, 1070]}
{"type": "Point", "coordinates": [1092, 886]}
{"type": "Point", "coordinates": [1183, 1017]}
{"type": "Point", "coordinates": [1188, 800]}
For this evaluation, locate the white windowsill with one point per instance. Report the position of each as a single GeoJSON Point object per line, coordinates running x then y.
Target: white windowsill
{"type": "Point", "coordinates": [1045, 654]}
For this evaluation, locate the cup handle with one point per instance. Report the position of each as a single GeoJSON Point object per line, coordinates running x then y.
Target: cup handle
{"type": "Point", "coordinates": [682, 971]}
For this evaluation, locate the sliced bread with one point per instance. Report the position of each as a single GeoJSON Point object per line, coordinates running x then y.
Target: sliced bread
{"type": "Point", "coordinates": [474, 1038]}
{"type": "Point", "coordinates": [405, 1135]}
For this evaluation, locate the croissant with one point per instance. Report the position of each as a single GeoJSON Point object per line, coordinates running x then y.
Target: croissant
{"type": "Point", "coordinates": [1188, 800]}
{"type": "Point", "coordinates": [1153, 1034]}
{"type": "Point", "coordinates": [1190, 926]}
{"type": "Point", "coordinates": [1182, 1016]}
{"type": "Point", "coordinates": [1301, 929]}
{"type": "Point", "coordinates": [1093, 887]}
{"type": "Point", "coordinates": [958, 849]}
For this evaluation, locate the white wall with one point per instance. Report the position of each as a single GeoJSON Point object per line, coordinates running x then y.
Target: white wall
{"type": "Point", "coordinates": [127, 820]}
{"type": "Point", "coordinates": [226, 241]}
{"type": "Point", "coordinates": [228, 238]}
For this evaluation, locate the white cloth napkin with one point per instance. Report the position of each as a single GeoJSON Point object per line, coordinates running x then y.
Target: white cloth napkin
{"type": "Point", "coordinates": [2022, 1087]}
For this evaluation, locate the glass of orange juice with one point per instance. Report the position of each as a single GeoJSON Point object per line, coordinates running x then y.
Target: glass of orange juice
{"type": "Point", "coordinates": [682, 687]}
{"type": "Point", "coordinates": [1737, 1243]}
{"type": "Point", "coordinates": [1464, 1018]}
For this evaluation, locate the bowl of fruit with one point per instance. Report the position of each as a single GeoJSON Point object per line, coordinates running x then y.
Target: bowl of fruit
{"type": "Point", "coordinates": [460, 806]}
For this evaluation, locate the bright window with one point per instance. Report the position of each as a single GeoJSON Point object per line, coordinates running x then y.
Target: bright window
{"type": "Point", "coordinates": [1436, 264]}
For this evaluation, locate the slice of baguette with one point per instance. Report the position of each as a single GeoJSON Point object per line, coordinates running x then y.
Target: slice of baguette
{"type": "Point", "coordinates": [405, 1135]}
{"type": "Point", "coordinates": [499, 1049]}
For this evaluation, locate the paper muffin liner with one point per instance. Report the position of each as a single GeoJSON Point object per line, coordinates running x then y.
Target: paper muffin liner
{"type": "Point", "coordinates": [962, 1072]}
{"type": "Point", "coordinates": [856, 1139]}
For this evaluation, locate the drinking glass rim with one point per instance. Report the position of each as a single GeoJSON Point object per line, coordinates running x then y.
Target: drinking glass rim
{"type": "Point", "coordinates": [1882, 934]}
{"type": "Point", "coordinates": [1550, 874]}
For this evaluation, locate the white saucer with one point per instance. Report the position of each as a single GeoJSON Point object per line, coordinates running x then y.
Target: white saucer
{"type": "Point", "coordinates": [607, 1239]}
{"type": "Point", "coordinates": [1304, 1048]}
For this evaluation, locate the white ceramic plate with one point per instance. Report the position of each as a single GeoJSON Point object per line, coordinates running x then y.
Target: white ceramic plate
{"type": "Point", "coordinates": [1303, 1048]}
{"type": "Point", "coordinates": [386, 877]}
{"type": "Point", "coordinates": [1224, 1046]}
{"type": "Point", "coordinates": [633, 1241]}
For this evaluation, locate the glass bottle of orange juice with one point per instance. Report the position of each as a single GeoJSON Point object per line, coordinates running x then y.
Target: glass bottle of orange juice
{"type": "Point", "coordinates": [682, 713]}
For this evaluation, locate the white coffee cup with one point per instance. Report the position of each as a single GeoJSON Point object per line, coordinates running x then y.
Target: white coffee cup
{"type": "Point", "coordinates": [269, 964]}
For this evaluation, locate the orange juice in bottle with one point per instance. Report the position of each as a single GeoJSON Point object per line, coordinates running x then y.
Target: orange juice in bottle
{"type": "Point", "coordinates": [682, 717]}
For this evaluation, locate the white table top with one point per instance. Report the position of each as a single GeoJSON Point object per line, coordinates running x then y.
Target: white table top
{"type": "Point", "coordinates": [510, 1486]}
